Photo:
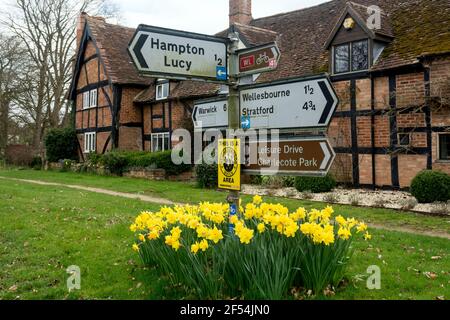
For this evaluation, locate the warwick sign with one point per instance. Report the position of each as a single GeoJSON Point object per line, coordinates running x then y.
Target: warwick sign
{"type": "Point", "coordinates": [179, 55]}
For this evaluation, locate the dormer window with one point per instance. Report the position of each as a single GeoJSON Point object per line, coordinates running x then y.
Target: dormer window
{"type": "Point", "coordinates": [162, 90]}
{"type": "Point", "coordinates": [351, 57]}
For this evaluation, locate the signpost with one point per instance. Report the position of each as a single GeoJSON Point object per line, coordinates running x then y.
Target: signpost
{"type": "Point", "coordinates": [180, 55]}
{"type": "Point", "coordinates": [293, 104]}
{"type": "Point", "coordinates": [229, 160]}
{"type": "Point", "coordinates": [210, 114]}
{"type": "Point", "coordinates": [301, 156]}
{"type": "Point", "coordinates": [258, 59]}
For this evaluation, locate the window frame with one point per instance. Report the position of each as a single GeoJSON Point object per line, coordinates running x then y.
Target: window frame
{"type": "Point", "coordinates": [400, 144]}
{"type": "Point", "coordinates": [93, 98]}
{"type": "Point", "coordinates": [350, 58]}
{"type": "Point", "coordinates": [86, 99]}
{"type": "Point", "coordinates": [439, 147]}
{"type": "Point", "coordinates": [90, 142]}
{"type": "Point", "coordinates": [157, 136]}
{"type": "Point", "coordinates": [161, 85]}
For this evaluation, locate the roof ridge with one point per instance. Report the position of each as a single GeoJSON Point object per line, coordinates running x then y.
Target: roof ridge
{"type": "Point", "coordinates": [294, 11]}
{"type": "Point", "coordinates": [103, 21]}
{"type": "Point", "coordinates": [255, 28]}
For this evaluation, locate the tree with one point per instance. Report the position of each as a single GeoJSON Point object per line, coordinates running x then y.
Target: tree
{"type": "Point", "coordinates": [47, 30]}
{"type": "Point", "coordinates": [10, 63]}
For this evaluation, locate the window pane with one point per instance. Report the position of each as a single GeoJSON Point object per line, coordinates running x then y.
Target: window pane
{"type": "Point", "coordinates": [166, 90]}
{"type": "Point", "coordinates": [342, 58]}
{"type": "Point", "coordinates": [166, 142]}
{"type": "Point", "coordinates": [444, 146]}
{"type": "Point", "coordinates": [154, 142]}
{"type": "Point", "coordinates": [158, 92]}
{"type": "Point", "coordinates": [360, 55]}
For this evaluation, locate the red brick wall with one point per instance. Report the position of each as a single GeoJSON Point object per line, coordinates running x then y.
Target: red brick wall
{"type": "Point", "coordinates": [240, 11]}
{"type": "Point", "coordinates": [410, 90]}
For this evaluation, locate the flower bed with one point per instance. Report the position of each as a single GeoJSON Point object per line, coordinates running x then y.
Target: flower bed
{"type": "Point", "coordinates": [269, 251]}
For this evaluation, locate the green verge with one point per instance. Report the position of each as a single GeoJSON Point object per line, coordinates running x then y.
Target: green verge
{"type": "Point", "coordinates": [45, 229]}
{"type": "Point", "coordinates": [190, 193]}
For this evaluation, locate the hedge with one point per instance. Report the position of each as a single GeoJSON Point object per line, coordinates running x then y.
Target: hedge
{"type": "Point", "coordinates": [431, 186]}
{"type": "Point", "coordinates": [61, 144]}
{"type": "Point", "coordinates": [315, 184]}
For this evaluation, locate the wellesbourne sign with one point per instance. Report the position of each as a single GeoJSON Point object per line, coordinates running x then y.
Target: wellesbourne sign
{"type": "Point", "coordinates": [167, 53]}
{"type": "Point", "coordinates": [290, 104]}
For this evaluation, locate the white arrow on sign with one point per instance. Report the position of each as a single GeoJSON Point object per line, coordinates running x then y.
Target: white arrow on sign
{"type": "Point", "coordinates": [293, 104]}
{"type": "Point", "coordinates": [210, 114]}
{"type": "Point", "coordinates": [166, 53]}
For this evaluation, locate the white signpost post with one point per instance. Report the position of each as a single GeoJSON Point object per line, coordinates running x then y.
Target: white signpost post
{"type": "Point", "coordinates": [293, 104]}
{"type": "Point", "coordinates": [178, 54]}
{"type": "Point", "coordinates": [210, 114]}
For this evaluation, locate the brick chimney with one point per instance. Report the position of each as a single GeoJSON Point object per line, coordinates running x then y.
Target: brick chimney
{"type": "Point", "coordinates": [80, 26]}
{"type": "Point", "coordinates": [240, 11]}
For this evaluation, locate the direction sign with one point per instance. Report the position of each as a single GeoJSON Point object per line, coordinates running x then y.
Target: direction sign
{"type": "Point", "coordinates": [210, 114]}
{"type": "Point", "coordinates": [293, 104]}
{"type": "Point", "coordinates": [167, 53]}
{"type": "Point", "coordinates": [302, 156]}
{"type": "Point", "coordinates": [258, 59]}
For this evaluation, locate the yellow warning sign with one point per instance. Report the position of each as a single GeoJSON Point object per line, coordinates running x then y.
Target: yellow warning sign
{"type": "Point", "coordinates": [229, 161]}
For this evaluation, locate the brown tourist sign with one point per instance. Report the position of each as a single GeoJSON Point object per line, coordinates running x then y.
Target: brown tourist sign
{"type": "Point", "coordinates": [302, 156]}
{"type": "Point", "coordinates": [258, 59]}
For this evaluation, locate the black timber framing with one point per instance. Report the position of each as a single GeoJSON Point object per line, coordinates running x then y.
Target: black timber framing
{"type": "Point", "coordinates": [372, 131]}
{"type": "Point", "coordinates": [393, 130]}
{"type": "Point", "coordinates": [354, 134]}
{"type": "Point", "coordinates": [427, 111]}
{"type": "Point", "coordinates": [117, 97]}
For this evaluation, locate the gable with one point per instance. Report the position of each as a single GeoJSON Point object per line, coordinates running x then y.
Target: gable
{"type": "Point", "coordinates": [343, 35]}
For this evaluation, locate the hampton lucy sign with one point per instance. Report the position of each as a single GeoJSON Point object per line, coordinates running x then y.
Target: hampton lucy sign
{"type": "Point", "coordinates": [293, 104]}
{"type": "Point", "coordinates": [305, 156]}
{"type": "Point", "coordinates": [210, 114]}
{"type": "Point", "coordinates": [178, 54]}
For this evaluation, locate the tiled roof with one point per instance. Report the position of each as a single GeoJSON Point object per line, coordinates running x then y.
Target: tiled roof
{"type": "Point", "coordinates": [112, 41]}
{"type": "Point", "coordinates": [418, 27]}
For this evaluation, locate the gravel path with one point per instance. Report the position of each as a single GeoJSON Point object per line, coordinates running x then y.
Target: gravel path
{"type": "Point", "coordinates": [98, 190]}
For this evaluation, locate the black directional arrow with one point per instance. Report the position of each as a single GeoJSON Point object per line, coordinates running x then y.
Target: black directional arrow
{"type": "Point", "coordinates": [138, 50]}
{"type": "Point", "coordinates": [194, 115]}
{"type": "Point", "coordinates": [330, 102]}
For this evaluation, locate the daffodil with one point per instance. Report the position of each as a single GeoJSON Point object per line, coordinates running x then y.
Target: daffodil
{"type": "Point", "coordinates": [195, 247]}
{"type": "Point", "coordinates": [203, 245]}
{"type": "Point", "coordinates": [141, 237]}
{"type": "Point", "coordinates": [344, 233]}
{"type": "Point", "coordinates": [135, 247]}
{"type": "Point", "coordinates": [215, 235]}
{"type": "Point", "coordinates": [261, 228]}
{"type": "Point", "coordinates": [257, 200]}
{"type": "Point", "coordinates": [367, 236]}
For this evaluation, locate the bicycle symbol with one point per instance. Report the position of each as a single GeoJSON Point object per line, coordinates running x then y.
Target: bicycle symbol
{"type": "Point", "coordinates": [263, 58]}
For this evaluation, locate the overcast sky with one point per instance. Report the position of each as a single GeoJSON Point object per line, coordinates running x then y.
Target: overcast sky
{"type": "Point", "coordinates": [203, 16]}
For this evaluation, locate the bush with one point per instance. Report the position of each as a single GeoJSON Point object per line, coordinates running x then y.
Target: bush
{"type": "Point", "coordinates": [431, 186]}
{"type": "Point", "coordinates": [115, 162]}
{"type": "Point", "coordinates": [36, 163]}
{"type": "Point", "coordinates": [270, 251]}
{"type": "Point", "coordinates": [315, 184]}
{"type": "Point", "coordinates": [206, 175]}
{"type": "Point", "coordinates": [61, 144]}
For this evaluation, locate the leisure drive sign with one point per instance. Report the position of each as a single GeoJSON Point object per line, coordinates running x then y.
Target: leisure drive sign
{"type": "Point", "coordinates": [293, 104]}
{"type": "Point", "coordinates": [302, 156]}
{"type": "Point", "coordinates": [210, 114]}
{"type": "Point", "coordinates": [180, 55]}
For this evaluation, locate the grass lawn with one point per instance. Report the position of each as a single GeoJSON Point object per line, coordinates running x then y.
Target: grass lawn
{"type": "Point", "coordinates": [189, 193]}
{"type": "Point", "coordinates": [45, 229]}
